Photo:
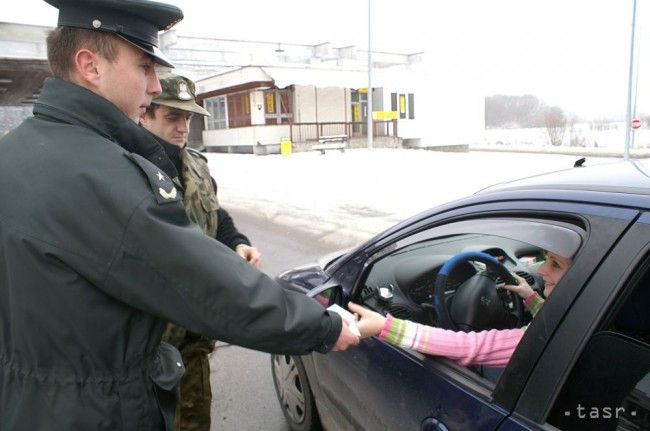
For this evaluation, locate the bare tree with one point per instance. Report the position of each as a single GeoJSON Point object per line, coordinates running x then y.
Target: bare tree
{"type": "Point", "coordinates": [555, 123]}
{"type": "Point", "coordinates": [576, 139]}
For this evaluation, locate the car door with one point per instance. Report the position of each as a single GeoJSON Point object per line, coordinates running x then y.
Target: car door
{"type": "Point", "coordinates": [379, 386]}
{"type": "Point", "coordinates": [593, 374]}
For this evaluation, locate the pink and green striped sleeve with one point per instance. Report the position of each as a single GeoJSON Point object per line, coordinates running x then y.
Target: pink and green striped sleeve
{"type": "Point", "coordinates": [533, 303]}
{"type": "Point", "coordinates": [493, 347]}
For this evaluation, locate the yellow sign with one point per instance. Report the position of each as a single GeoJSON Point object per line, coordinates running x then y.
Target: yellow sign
{"type": "Point", "coordinates": [402, 104]}
{"type": "Point", "coordinates": [363, 90]}
{"type": "Point", "coordinates": [356, 113]}
{"type": "Point", "coordinates": [384, 115]}
{"type": "Point", "coordinates": [270, 103]}
{"type": "Point", "coordinates": [285, 147]}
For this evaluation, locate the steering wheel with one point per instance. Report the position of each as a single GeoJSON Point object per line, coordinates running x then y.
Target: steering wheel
{"type": "Point", "coordinates": [477, 303]}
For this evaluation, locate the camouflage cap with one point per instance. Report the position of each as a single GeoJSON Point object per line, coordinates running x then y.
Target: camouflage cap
{"type": "Point", "coordinates": [178, 92]}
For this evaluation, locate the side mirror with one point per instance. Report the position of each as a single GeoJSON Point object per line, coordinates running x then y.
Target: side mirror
{"type": "Point", "coordinates": [327, 294]}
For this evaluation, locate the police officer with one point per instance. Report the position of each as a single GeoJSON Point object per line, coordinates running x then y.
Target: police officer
{"type": "Point", "coordinates": [168, 118]}
{"type": "Point", "coordinates": [97, 251]}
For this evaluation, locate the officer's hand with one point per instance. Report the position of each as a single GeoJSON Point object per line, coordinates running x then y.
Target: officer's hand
{"type": "Point", "coordinates": [346, 339]}
{"type": "Point", "coordinates": [251, 254]}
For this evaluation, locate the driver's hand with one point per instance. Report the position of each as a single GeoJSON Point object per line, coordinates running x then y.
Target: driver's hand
{"type": "Point", "coordinates": [523, 289]}
{"type": "Point", "coordinates": [370, 323]}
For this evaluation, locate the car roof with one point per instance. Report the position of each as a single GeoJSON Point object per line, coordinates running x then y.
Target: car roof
{"type": "Point", "coordinates": [629, 177]}
{"type": "Point", "coordinates": [619, 183]}
{"type": "Point", "coordinates": [623, 184]}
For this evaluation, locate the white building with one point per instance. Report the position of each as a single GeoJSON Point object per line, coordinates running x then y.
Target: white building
{"type": "Point", "coordinates": [266, 91]}
{"type": "Point", "coordinates": [261, 106]}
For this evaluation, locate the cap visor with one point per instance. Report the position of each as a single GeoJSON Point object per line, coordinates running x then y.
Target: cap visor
{"type": "Point", "coordinates": [188, 105]}
{"type": "Point", "coordinates": [153, 51]}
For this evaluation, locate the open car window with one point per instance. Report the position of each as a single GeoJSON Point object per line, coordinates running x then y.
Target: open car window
{"type": "Point", "coordinates": [401, 279]}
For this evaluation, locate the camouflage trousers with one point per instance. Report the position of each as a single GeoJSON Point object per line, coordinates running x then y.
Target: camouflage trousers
{"type": "Point", "coordinates": [193, 408]}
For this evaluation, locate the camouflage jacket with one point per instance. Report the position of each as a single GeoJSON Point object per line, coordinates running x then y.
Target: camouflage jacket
{"type": "Point", "coordinates": [199, 191]}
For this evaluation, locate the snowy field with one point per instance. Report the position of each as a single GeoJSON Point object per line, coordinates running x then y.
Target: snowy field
{"type": "Point", "coordinates": [347, 197]}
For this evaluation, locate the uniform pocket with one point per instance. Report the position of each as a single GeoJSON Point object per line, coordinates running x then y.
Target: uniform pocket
{"type": "Point", "coordinates": [165, 371]}
{"type": "Point", "coordinates": [209, 203]}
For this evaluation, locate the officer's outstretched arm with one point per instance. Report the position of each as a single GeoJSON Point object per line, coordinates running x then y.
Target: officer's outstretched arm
{"type": "Point", "coordinates": [200, 284]}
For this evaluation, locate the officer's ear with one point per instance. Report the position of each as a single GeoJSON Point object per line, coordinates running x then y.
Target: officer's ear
{"type": "Point", "coordinates": [87, 68]}
{"type": "Point", "coordinates": [147, 117]}
{"type": "Point", "coordinates": [143, 120]}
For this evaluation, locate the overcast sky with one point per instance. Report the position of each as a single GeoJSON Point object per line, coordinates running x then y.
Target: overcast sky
{"type": "Point", "coordinates": [573, 53]}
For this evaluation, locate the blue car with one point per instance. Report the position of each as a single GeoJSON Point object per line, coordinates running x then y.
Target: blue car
{"type": "Point", "coordinates": [583, 361]}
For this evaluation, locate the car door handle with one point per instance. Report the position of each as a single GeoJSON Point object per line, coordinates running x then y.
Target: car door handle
{"type": "Point", "coordinates": [433, 424]}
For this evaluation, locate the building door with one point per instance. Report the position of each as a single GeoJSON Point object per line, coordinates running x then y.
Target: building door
{"type": "Point", "coordinates": [359, 100]}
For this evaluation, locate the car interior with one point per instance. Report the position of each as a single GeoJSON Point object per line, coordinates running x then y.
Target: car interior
{"type": "Point", "coordinates": [453, 276]}
{"type": "Point", "coordinates": [403, 284]}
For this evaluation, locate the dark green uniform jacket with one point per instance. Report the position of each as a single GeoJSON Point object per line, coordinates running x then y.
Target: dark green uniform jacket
{"type": "Point", "coordinates": [96, 254]}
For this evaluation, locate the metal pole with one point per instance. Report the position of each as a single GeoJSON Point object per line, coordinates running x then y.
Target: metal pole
{"type": "Point", "coordinates": [628, 115]}
{"type": "Point", "coordinates": [369, 98]}
{"type": "Point", "coordinates": [636, 88]}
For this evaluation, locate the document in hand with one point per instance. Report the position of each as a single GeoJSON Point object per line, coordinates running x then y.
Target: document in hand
{"type": "Point", "coordinates": [349, 318]}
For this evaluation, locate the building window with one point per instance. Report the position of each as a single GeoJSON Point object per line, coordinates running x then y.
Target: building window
{"type": "Point", "coordinates": [393, 102]}
{"type": "Point", "coordinates": [411, 106]}
{"type": "Point", "coordinates": [278, 106]}
{"type": "Point", "coordinates": [402, 106]}
{"type": "Point", "coordinates": [218, 119]}
{"type": "Point", "coordinates": [239, 110]}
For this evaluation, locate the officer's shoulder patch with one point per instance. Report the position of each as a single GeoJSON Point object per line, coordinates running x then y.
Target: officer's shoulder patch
{"type": "Point", "coordinates": [162, 186]}
{"type": "Point", "coordinates": [196, 153]}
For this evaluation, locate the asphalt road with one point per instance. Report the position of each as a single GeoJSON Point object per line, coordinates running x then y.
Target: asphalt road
{"type": "Point", "coordinates": [243, 393]}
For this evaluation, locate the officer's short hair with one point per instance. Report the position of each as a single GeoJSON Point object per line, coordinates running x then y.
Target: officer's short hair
{"type": "Point", "coordinates": [63, 43]}
{"type": "Point", "coordinates": [151, 110]}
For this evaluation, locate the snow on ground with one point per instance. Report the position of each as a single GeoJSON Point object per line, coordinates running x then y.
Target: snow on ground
{"type": "Point", "coordinates": [348, 197]}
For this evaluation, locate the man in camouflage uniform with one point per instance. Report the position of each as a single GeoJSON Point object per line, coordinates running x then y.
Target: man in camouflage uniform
{"type": "Point", "coordinates": [168, 118]}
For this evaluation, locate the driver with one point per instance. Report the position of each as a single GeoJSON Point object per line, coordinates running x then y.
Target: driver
{"type": "Point", "coordinates": [493, 347]}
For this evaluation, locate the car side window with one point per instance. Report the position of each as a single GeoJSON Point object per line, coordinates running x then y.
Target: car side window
{"type": "Point", "coordinates": [404, 278]}
{"type": "Point", "coordinates": [609, 386]}
{"type": "Point", "coordinates": [403, 283]}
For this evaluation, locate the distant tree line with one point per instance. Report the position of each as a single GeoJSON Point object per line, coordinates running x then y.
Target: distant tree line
{"type": "Point", "coordinates": [646, 119]}
{"type": "Point", "coordinates": [505, 112]}
{"type": "Point", "coordinates": [513, 112]}
{"type": "Point", "coordinates": [527, 111]}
